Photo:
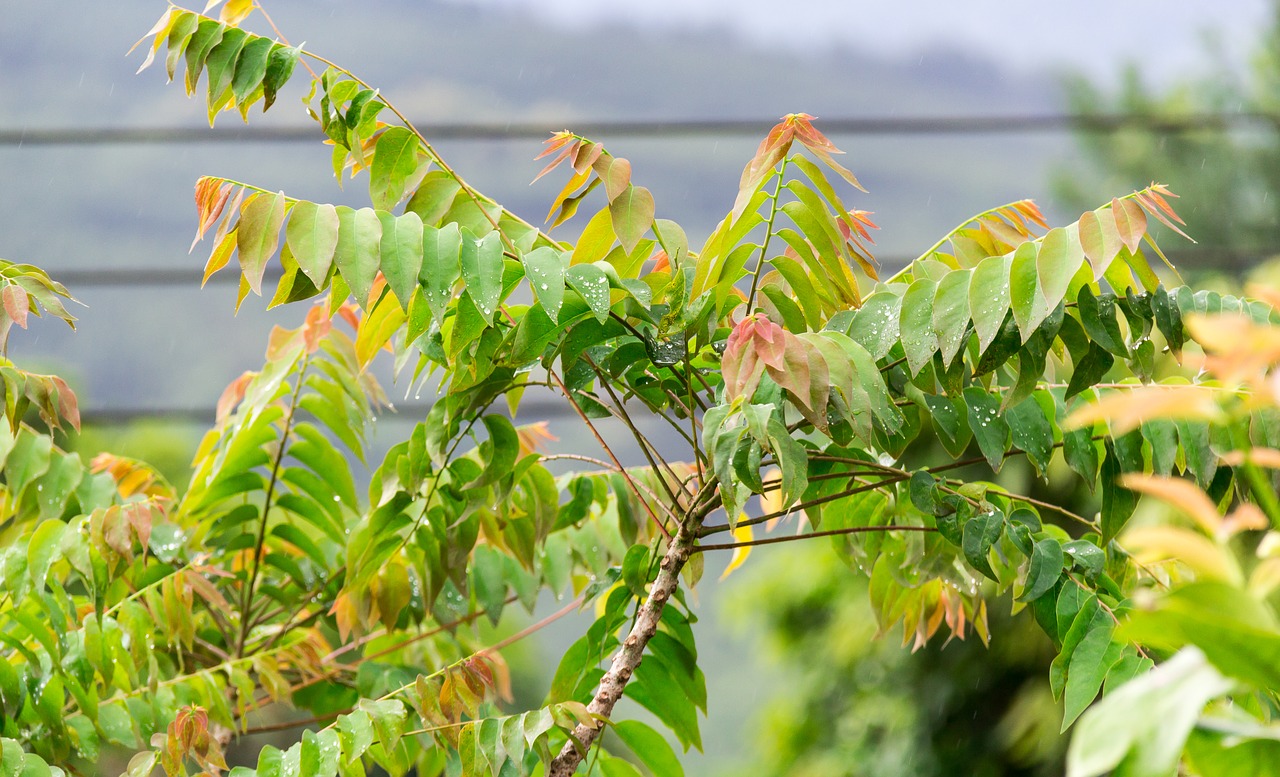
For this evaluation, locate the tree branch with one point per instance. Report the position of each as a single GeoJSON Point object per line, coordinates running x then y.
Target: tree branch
{"type": "Point", "coordinates": [809, 535]}
{"type": "Point", "coordinates": [628, 656]}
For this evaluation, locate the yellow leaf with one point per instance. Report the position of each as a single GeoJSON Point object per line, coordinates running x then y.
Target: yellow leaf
{"type": "Point", "coordinates": [1265, 578]}
{"type": "Point", "coordinates": [743, 533]}
{"type": "Point", "coordinates": [1180, 494]}
{"type": "Point", "coordinates": [1128, 409]}
{"type": "Point", "coordinates": [235, 11]}
{"type": "Point", "coordinates": [1162, 543]}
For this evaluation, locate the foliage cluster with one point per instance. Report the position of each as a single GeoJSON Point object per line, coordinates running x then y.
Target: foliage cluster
{"type": "Point", "coordinates": [149, 617]}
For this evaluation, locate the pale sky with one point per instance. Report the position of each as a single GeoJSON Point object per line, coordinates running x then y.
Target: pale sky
{"type": "Point", "coordinates": [1090, 35]}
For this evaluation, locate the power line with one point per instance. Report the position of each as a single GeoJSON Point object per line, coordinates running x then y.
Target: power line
{"type": "Point", "coordinates": [99, 277]}
{"type": "Point", "coordinates": [204, 416]}
{"type": "Point", "coordinates": [885, 125]}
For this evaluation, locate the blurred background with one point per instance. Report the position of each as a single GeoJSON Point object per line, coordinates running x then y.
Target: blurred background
{"type": "Point", "coordinates": [945, 109]}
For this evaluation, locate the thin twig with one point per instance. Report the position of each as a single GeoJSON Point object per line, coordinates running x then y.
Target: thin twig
{"type": "Point", "coordinates": [810, 535]}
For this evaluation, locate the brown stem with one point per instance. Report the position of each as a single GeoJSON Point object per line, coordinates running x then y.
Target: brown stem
{"type": "Point", "coordinates": [628, 656]}
{"type": "Point", "coordinates": [809, 536]}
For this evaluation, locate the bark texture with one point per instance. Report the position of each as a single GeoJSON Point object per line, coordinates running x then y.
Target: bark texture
{"type": "Point", "coordinates": [629, 655]}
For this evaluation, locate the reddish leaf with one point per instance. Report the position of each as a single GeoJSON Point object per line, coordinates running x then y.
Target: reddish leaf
{"type": "Point", "coordinates": [617, 178]}
{"type": "Point", "coordinates": [1131, 223]}
{"type": "Point", "coordinates": [770, 152]}
{"type": "Point", "coordinates": [1154, 204]}
{"type": "Point", "coordinates": [16, 304]}
{"type": "Point", "coordinates": [756, 342]}
{"type": "Point", "coordinates": [209, 211]}
{"type": "Point", "coordinates": [68, 405]}
{"type": "Point", "coordinates": [232, 395]}
{"type": "Point", "coordinates": [564, 142]}
{"type": "Point", "coordinates": [585, 155]}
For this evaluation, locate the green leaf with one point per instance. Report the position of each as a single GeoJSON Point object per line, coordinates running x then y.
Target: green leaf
{"type": "Point", "coordinates": [875, 325]}
{"type": "Point", "coordinates": [988, 426]}
{"type": "Point", "coordinates": [1057, 262]}
{"type": "Point", "coordinates": [950, 422]}
{"type": "Point", "coordinates": [1118, 502]}
{"type": "Point", "coordinates": [258, 235]}
{"type": "Point", "coordinates": [401, 253]}
{"type": "Point", "coordinates": [221, 65]}
{"type": "Point", "coordinates": [951, 313]}
{"type": "Point", "coordinates": [655, 690]}
{"type": "Point", "coordinates": [441, 266]}
{"type": "Point", "coordinates": [312, 237]}
{"type": "Point", "coordinates": [1026, 299]}
{"type": "Point", "coordinates": [481, 264]}
{"type": "Point", "coordinates": [320, 752]}
{"type": "Point", "coordinates": [980, 533]}
{"type": "Point", "coordinates": [1145, 722]}
{"type": "Point", "coordinates": [1091, 659]}
{"type": "Point", "coordinates": [919, 340]}
{"type": "Point", "coordinates": [989, 298]}
{"type": "Point", "coordinates": [395, 160]}
{"type": "Point", "coordinates": [355, 732]}
{"type": "Point", "coordinates": [592, 284]}
{"type": "Point", "coordinates": [206, 36]}
{"type": "Point", "coordinates": [1031, 431]}
{"type": "Point", "coordinates": [280, 64]}
{"type": "Point", "coordinates": [1044, 569]}
{"type": "Point", "coordinates": [1098, 316]}
{"type": "Point", "coordinates": [42, 551]}
{"type": "Point", "coordinates": [357, 254]}
{"type": "Point", "coordinates": [650, 747]}
{"type": "Point", "coordinates": [631, 213]}
{"type": "Point", "coordinates": [544, 268]}
{"type": "Point", "coordinates": [1089, 370]}
{"type": "Point", "coordinates": [251, 66]}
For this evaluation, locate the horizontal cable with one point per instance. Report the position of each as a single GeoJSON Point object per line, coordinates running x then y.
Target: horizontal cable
{"type": "Point", "coordinates": [1198, 256]}
{"type": "Point", "coordinates": [204, 416]}
{"type": "Point", "coordinates": [904, 125]}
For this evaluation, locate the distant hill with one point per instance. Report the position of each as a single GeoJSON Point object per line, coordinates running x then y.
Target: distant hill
{"type": "Point", "coordinates": [129, 206]}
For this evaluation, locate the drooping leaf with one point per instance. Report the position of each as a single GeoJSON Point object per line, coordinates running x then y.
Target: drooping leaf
{"type": "Point", "coordinates": [357, 254]}
{"type": "Point", "coordinates": [400, 253]}
{"type": "Point", "coordinates": [919, 340]}
{"type": "Point", "coordinates": [481, 266]}
{"type": "Point", "coordinates": [312, 237]}
{"type": "Point", "coordinates": [631, 213]}
{"type": "Point", "coordinates": [258, 235]}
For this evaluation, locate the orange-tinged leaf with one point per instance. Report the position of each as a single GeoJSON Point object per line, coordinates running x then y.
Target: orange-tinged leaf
{"type": "Point", "coordinates": [1131, 222]}
{"type": "Point", "coordinates": [220, 256]}
{"type": "Point", "coordinates": [534, 437]}
{"type": "Point", "coordinates": [1125, 410]}
{"type": "Point", "coordinates": [1100, 240]}
{"type": "Point", "coordinates": [1154, 204]}
{"type": "Point", "coordinates": [228, 213]}
{"type": "Point", "coordinates": [1238, 347]}
{"type": "Point", "coordinates": [632, 215]}
{"type": "Point", "coordinates": [258, 235]}
{"type": "Point", "coordinates": [1179, 493]}
{"type": "Point", "coordinates": [232, 395]}
{"type": "Point", "coordinates": [570, 187]}
{"type": "Point", "coordinates": [617, 178]}
{"type": "Point", "coordinates": [1262, 457]}
{"type": "Point", "coordinates": [565, 143]}
{"type": "Point", "coordinates": [740, 534]}
{"type": "Point", "coordinates": [16, 304]}
{"type": "Point", "coordinates": [210, 208]}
